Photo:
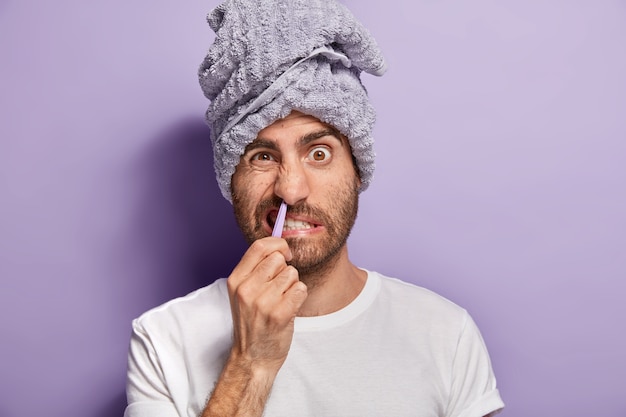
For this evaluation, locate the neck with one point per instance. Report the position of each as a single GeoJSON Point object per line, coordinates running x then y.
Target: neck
{"type": "Point", "coordinates": [332, 288]}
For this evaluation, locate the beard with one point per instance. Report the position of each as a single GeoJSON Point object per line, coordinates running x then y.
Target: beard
{"type": "Point", "coordinates": [312, 255]}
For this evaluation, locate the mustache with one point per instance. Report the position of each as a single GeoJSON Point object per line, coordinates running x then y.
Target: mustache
{"type": "Point", "coordinates": [301, 208]}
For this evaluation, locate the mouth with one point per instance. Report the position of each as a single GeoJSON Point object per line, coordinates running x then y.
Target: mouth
{"type": "Point", "coordinates": [292, 223]}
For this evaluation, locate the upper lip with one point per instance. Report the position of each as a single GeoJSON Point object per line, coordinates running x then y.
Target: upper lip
{"type": "Point", "coordinates": [273, 213]}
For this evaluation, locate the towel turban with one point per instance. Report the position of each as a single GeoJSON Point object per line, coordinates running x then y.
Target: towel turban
{"type": "Point", "coordinates": [270, 57]}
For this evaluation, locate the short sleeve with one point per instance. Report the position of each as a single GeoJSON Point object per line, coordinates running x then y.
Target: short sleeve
{"type": "Point", "coordinates": [146, 391]}
{"type": "Point", "coordinates": [473, 388]}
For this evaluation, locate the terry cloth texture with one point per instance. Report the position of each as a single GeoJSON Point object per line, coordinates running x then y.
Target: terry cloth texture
{"type": "Point", "coordinates": [270, 57]}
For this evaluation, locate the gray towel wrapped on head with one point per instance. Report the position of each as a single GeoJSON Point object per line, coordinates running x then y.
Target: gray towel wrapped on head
{"type": "Point", "coordinates": [270, 57]}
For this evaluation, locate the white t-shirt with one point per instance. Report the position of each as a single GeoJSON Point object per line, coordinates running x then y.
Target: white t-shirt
{"type": "Point", "coordinates": [396, 350]}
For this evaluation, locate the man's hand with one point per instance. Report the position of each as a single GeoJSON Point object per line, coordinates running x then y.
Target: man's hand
{"type": "Point", "coordinates": [265, 296]}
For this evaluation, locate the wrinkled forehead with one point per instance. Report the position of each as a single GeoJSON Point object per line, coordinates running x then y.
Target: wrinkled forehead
{"type": "Point", "coordinates": [300, 127]}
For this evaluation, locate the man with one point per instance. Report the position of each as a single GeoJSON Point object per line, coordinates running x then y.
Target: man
{"type": "Point", "coordinates": [297, 329]}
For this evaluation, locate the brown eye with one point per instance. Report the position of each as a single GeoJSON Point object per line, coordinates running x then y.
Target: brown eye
{"type": "Point", "coordinates": [319, 154]}
{"type": "Point", "coordinates": [263, 157]}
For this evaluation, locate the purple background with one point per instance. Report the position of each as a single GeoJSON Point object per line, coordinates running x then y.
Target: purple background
{"type": "Point", "coordinates": [501, 184]}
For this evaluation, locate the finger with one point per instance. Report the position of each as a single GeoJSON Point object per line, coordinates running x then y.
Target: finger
{"type": "Point", "coordinates": [255, 254]}
{"type": "Point", "coordinates": [271, 292]}
{"type": "Point", "coordinates": [284, 280]}
{"type": "Point", "coordinates": [285, 289]}
{"type": "Point", "coordinates": [297, 294]}
{"type": "Point", "coordinates": [290, 302]}
{"type": "Point", "coordinates": [269, 268]}
{"type": "Point", "coordinates": [247, 288]}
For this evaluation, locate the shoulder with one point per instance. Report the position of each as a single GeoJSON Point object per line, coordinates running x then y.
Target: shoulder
{"type": "Point", "coordinates": [194, 310]}
{"type": "Point", "coordinates": [419, 296]}
{"type": "Point", "coordinates": [420, 304]}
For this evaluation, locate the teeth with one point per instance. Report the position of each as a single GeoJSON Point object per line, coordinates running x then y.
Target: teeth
{"type": "Point", "coordinates": [291, 224]}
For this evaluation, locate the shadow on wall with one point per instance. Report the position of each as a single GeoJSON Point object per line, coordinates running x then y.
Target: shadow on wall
{"type": "Point", "coordinates": [185, 225]}
{"type": "Point", "coordinates": [183, 234]}
{"type": "Point", "coordinates": [115, 408]}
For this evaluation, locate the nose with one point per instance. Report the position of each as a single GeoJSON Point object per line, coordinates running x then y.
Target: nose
{"type": "Point", "coordinates": [292, 182]}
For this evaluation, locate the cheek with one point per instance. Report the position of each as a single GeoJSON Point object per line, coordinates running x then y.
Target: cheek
{"type": "Point", "coordinates": [255, 192]}
{"type": "Point", "coordinates": [250, 180]}
{"type": "Point", "coordinates": [249, 190]}
{"type": "Point", "coordinates": [345, 176]}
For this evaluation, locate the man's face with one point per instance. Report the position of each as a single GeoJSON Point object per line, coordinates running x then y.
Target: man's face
{"type": "Point", "coordinates": [309, 165]}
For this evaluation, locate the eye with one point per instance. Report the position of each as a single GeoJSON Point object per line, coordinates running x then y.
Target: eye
{"type": "Point", "coordinates": [263, 157]}
{"type": "Point", "coordinates": [319, 154]}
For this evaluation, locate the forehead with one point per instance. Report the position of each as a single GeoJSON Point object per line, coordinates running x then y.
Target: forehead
{"type": "Point", "coordinates": [295, 121]}
{"type": "Point", "coordinates": [298, 126]}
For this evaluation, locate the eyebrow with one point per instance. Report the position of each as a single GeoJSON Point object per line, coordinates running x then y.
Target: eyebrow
{"type": "Point", "coordinates": [261, 143]}
{"type": "Point", "coordinates": [303, 141]}
{"type": "Point", "coordinates": [310, 137]}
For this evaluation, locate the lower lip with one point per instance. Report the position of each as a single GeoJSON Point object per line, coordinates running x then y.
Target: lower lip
{"type": "Point", "coordinates": [301, 232]}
